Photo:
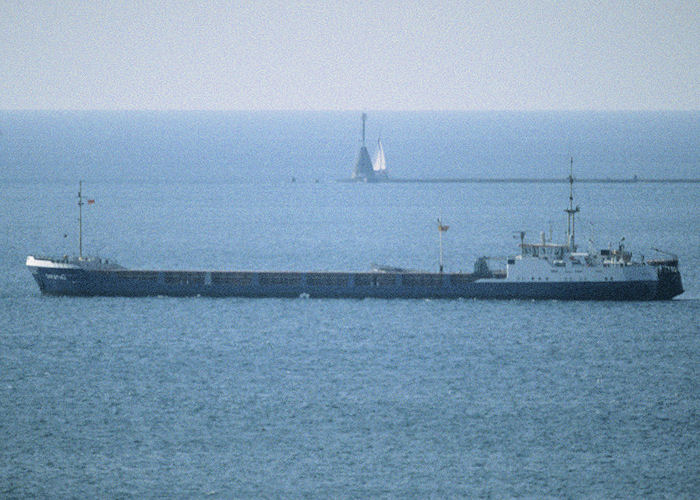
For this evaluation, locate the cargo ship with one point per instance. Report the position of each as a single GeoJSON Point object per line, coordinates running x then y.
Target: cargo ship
{"type": "Point", "coordinates": [540, 270]}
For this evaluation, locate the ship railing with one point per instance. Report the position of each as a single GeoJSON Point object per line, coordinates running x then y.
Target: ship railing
{"type": "Point", "coordinates": [663, 262]}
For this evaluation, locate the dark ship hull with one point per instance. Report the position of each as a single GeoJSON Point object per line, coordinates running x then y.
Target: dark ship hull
{"type": "Point", "coordinates": [131, 283]}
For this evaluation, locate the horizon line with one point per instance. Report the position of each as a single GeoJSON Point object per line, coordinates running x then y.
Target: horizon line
{"type": "Point", "coordinates": [360, 110]}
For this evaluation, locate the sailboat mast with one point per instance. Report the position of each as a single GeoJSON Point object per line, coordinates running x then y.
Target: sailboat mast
{"type": "Point", "coordinates": [80, 219]}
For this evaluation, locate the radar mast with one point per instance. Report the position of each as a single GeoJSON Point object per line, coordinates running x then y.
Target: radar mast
{"type": "Point", "coordinates": [80, 220]}
{"type": "Point", "coordinates": [571, 211]}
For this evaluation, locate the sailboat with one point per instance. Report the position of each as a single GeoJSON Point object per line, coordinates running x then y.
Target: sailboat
{"type": "Point", "coordinates": [379, 163]}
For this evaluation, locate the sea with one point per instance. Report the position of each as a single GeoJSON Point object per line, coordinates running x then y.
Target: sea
{"type": "Point", "coordinates": [339, 398]}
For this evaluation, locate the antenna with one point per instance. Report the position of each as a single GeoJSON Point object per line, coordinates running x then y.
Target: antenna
{"type": "Point", "coordinates": [571, 183]}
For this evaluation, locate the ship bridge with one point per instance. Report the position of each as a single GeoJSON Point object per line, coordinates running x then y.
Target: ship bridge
{"type": "Point", "coordinates": [551, 251]}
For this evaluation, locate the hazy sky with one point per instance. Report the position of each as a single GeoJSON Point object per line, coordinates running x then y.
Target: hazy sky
{"type": "Point", "coordinates": [338, 55]}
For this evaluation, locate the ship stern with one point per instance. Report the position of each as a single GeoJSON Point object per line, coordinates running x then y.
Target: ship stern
{"type": "Point", "coordinates": [669, 283]}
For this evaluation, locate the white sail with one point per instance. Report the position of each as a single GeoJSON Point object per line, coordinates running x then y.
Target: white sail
{"type": "Point", "coordinates": [379, 163]}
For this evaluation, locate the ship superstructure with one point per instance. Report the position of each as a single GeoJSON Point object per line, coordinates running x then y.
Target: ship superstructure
{"type": "Point", "coordinates": [604, 273]}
